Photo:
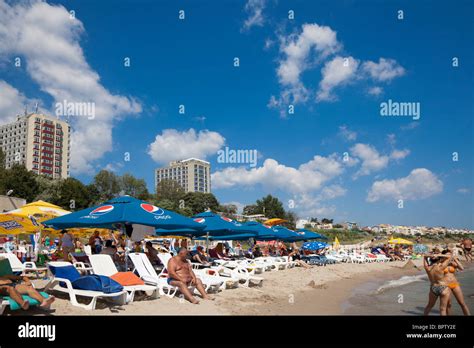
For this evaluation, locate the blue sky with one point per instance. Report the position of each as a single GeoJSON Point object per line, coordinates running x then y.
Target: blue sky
{"type": "Point", "coordinates": [297, 62]}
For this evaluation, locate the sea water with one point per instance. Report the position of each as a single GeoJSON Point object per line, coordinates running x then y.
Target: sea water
{"type": "Point", "coordinates": [407, 295]}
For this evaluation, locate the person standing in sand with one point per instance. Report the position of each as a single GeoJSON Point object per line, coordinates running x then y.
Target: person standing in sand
{"type": "Point", "coordinates": [438, 285]}
{"type": "Point", "coordinates": [452, 283]}
{"type": "Point", "coordinates": [432, 298]}
{"type": "Point", "coordinates": [182, 276]}
{"type": "Point", "coordinates": [467, 248]}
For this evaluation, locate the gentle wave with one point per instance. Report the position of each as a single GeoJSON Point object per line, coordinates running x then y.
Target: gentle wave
{"type": "Point", "coordinates": [401, 281]}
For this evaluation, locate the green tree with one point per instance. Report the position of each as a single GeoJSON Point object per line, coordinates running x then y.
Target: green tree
{"type": "Point", "coordinates": [48, 189]}
{"type": "Point", "coordinates": [74, 195]}
{"type": "Point", "coordinates": [291, 218]}
{"type": "Point", "coordinates": [271, 206]}
{"type": "Point", "coordinates": [198, 202]}
{"type": "Point", "coordinates": [229, 210]}
{"type": "Point", "coordinates": [107, 185]}
{"type": "Point", "coordinates": [21, 181]}
{"type": "Point", "coordinates": [251, 209]}
{"type": "Point", "coordinates": [2, 160]}
{"type": "Point", "coordinates": [170, 190]}
{"type": "Point", "coordinates": [134, 187]}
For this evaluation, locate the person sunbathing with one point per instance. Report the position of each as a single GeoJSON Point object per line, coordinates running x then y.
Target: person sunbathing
{"type": "Point", "coordinates": [200, 257]}
{"type": "Point", "coordinates": [152, 254]}
{"type": "Point", "coordinates": [295, 255]}
{"type": "Point", "coordinates": [181, 275]}
{"type": "Point", "coordinates": [16, 286]}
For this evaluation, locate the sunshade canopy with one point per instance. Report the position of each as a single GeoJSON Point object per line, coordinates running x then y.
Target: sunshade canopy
{"type": "Point", "coordinates": [399, 241]}
{"type": "Point", "coordinates": [307, 235]}
{"type": "Point", "coordinates": [275, 221]}
{"type": "Point", "coordinates": [214, 224]}
{"type": "Point", "coordinates": [124, 210]}
{"type": "Point", "coordinates": [28, 218]}
{"type": "Point", "coordinates": [314, 246]}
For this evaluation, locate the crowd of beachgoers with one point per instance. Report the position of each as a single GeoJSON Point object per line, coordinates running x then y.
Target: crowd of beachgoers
{"type": "Point", "coordinates": [113, 269]}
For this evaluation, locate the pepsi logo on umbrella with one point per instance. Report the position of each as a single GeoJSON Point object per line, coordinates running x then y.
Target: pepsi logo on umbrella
{"type": "Point", "coordinates": [156, 211]}
{"type": "Point", "coordinates": [101, 210]}
{"type": "Point", "coordinates": [200, 220]}
{"type": "Point", "coordinates": [149, 208]}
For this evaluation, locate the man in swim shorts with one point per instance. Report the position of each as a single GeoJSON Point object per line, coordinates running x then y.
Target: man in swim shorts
{"type": "Point", "coordinates": [181, 275]}
{"type": "Point", "coordinates": [16, 286]}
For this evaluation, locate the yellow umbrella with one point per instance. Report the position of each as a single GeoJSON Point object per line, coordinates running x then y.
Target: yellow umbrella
{"type": "Point", "coordinates": [27, 219]}
{"type": "Point", "coordinates": [274, 221]}
{"type": "Point", "coordinates": [336, 243]}
{"type": "Point", "coordinates": [399, 241]}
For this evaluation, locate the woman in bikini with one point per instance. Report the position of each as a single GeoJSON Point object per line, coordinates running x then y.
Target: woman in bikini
{"type": "Point", "coordinates": [428, 263]}
{"type": "Point", "coordinates": [438, 285]}
{"type": "Point", "coordinates": [452, 283]}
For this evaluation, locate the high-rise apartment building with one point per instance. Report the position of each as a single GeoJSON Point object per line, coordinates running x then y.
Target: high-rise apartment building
{"type": "Point", "coordinates": [193, 174]}
{"type": "Point", "coordinates": [40, 142]}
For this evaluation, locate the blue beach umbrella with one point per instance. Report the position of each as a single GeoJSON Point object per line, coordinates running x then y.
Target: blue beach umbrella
{"type": "Point", "coordinates": [314, 246]}
{"type": "Point", "coordinates": [259, 232]}
{"type": "Point", "coordinates": [307, 234]}
{"type": "Point", "coordinates": [119, 211]}
{"type": "Point", "coordinates": [284, 234]}
{"type": "Point", "coordinates": [215, 226]}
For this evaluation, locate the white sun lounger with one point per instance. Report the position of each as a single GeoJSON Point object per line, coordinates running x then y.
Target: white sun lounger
{"type": "Point", "coordinates": [104, 265]}
{"type": "Point", "coordinates": [249, 264]}
{"type": "Point", "coordinates": [240, 273]}
{"type": "Point", "coordinates": [119, 297]}
{"type": "Point", "coordinates": [17, 266]}
{"type": "Point", "coordinates": [147, 273]}
{"type": "Point", "coordinates": [208, 275]}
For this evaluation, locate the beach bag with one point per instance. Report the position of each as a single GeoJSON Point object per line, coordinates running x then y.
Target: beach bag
{"type": "Point", "coordinates": [127, 279]}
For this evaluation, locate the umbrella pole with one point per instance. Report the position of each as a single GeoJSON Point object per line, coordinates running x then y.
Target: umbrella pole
{"type": "Point", "coordinates": [207, 241]}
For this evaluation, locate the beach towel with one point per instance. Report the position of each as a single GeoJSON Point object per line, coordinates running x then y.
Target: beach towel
{"type": "Point", "coordinates": [127, 279]}
{"type": "Point", "coordinates": [96, 282]}
{"type": "Point", "coordinates": [15, 306]}
{"type": "Point", "coordinates": [91, 282]}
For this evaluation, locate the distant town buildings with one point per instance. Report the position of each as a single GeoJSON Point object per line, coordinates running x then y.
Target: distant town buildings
{"type": "Point", "coordinates": [384, 228]}
{"type": "Point", "coordinates": [194, 175]}
{"type": "Point", "coordinates": [39, 142]}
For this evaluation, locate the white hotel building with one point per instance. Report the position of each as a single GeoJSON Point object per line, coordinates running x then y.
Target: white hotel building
{"type": "Point", "coordinates": [194, 175]}
{"type": "Point", "coordinates": [41, 143]}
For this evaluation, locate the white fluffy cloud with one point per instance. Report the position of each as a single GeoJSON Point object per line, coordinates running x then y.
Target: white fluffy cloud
{"type": "Point", "coordinates": [337, 72]}
{"type": "Point", "coordinates": [419, 184]}
{"type": "Point", "coordinates": [309, 176]}
{"type": "Point", "coordinates": [254, 10]}
{"type": "Point", "coordinates": [383, 71]}
{"type": "Point", "coordinates": [399, 154]}
{"type": "Point", "coordinates": [375, 91]}
{"type": "Point", "coordinates": [48, 39]}
{"type": "Point", "coordinates": [12, 102]}
{"type": "Point", "coordinates": [372, 160]}
{"type": "Point", "coordinates": [172, 145]}
{"type": "Point", "coordinates": [313, 46]}
{"type": "Point", "coordinates": [347, 134]}
{"type": "Point", "coordinates": [299, 53]}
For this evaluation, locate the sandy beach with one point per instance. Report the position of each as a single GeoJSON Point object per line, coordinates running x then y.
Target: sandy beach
{"type": "Point", "coordinates": [296, 291]}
